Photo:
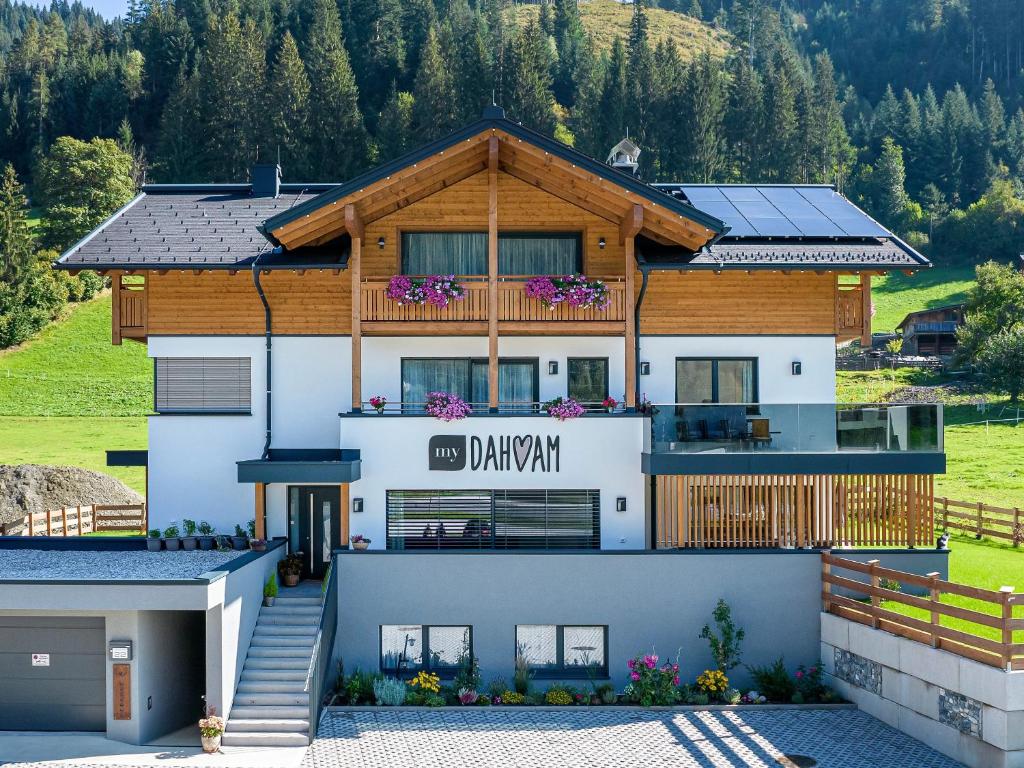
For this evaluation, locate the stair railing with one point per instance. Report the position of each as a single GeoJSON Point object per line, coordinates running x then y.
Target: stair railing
{"type": "Point", "coordinates": [323, 649]}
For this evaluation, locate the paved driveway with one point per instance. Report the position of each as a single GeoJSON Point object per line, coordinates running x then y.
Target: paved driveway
{"type": "Point", "coordinates": [620, 738]}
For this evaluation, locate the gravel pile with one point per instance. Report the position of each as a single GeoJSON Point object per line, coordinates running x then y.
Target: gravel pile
{"type": "Point", "coordinates": [143, 565]}
{"type": "Point", "coordinates": [26, 488]}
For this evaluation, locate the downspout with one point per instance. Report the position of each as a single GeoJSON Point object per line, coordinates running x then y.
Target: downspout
{"type": "Point", "coordinates": [267, 324]}
{"type": "Point", "coordinates": [636, 336]}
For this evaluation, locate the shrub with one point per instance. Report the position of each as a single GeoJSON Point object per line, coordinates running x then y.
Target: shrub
{"type": "Point", "coordinates": [652, 685]}
{"type": "Point", "coordinates": [713, 682]}
{"type": "Point", "coordinates": [700, 700]}
{"type": "Point", "coordinates": [389, 691]}
{"type": "Point", "coordinates": [512, 698]}
{"type": "Point", "coordinates": [497, 687]}
{"type": "Point", "coordinates": [774, 682]}
{"type": "Point", "coordinates": [468, 696]}
{"type": "Point", "coordinates": [606, 693]}
{"type": "Point", "coordinates": [483, 701]}
{"type": "Point", "coordinates": [270, 588]}
{"type": "Point", "coordinates": [433, 700]}
{"type": "Point", "coordinates": [427, 682]}
{"type": "Point", "coordinates": [809, 686]}
{"type": "Point", "coordinates": [358, 688]}
{"type": "Point", "coordinates": [523, 674]}
{"type": "Point", "coordinates": [558, 696]}
{"type": "Point", "coordinates": [732, 696]}
{"type": "Point", "coordinates": [725, 642]}
{"type": "Point", "coordinates": [468, 676]}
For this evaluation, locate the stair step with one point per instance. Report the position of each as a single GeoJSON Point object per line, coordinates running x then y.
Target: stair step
{"type": "Point", "coordinates": [283, 641]}
{"type": "Point", "coordinates": [268, 675]}
{"type": "Point", "coordinates": [269, 712]}
{"type": "Point", "coordinates": [278, 663]}
{"type": "Point", "coordinates": [287, 609]}
{"type": "Point", "coordinates": [267, 651]}
{"type": "Point", "coordinates": [264, 739]}
{"type": "Point", "coordinates": [284, 601]}
{"type": "Point", "coordinates": [286, 725]}
{"type": "Point", "coordinates": [271, 686]}
{"type": "Point", "coordinates": [271, 699]}
{"type": "Point", "coordinates": [304, 630]}
{"type": "Point", "coordinates": [288, 620]}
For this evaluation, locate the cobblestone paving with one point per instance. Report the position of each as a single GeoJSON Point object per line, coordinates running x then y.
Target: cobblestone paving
{"type": "Point", "coordinates": [612, 738]}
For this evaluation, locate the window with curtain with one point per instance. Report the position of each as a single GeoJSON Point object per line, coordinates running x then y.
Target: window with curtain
{"type": "Point", "coordinates": [588, 379]}
{"type": "Point", "coordinates": [532, 253]}
{"type": "Point", "coordinates": [467, 378]}
{"type": "Point", "coordinates": [444, 253]}
{"type": "Point", "coordinates": [716, 380]}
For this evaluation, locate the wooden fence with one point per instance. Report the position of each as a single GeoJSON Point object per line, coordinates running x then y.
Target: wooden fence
{"type": "Point", "coordinates": [1003, 653]}
{"type": "Point", "coordinates": [980, 519]}
{"type": "Point", "coordinates": [76, 521]}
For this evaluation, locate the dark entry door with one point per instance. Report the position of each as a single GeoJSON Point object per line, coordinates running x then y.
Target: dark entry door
{"type": "Point", "coordinates": [313, 524]}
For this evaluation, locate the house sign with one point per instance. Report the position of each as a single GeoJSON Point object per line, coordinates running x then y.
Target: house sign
{"type": "Point", "coordinates": [494, 453]}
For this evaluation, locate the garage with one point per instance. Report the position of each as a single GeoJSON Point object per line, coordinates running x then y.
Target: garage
{"type": "Point", "coordinates": [53, 671]}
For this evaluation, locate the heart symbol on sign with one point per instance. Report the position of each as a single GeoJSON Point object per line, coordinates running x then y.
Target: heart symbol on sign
{"type": "Point", "coordinates": [521, 448]}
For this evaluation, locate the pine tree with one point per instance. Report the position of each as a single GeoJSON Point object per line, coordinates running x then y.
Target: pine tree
{"type": "Point", "coordinates": [418, 18]}
{"type": "Point", "coordinates": [338, 145]}
{"type": "Point", "coordinates": [704, 110]}
{"type": "Point", "coordinates": [569, 39]}
{"type": "Point", "coordinates": [374, 32]}
{"type": "Point", "coordinates": [640, 95]}
{"type": "Point", "coordinates": [993, 117]}
{"type": "Point", "coordinates": [433, 109]}
{"type": "Point", "coordinates": [473, 81]}
{"type": "Point", "coordinates": [612, 109]}
{"type": "Point", "coordinates": [16, 244]}
{"type": "Point", "coordinates": [744, 122]}
{"type": "Point", "coordinates": [887, 120]}
{"type": "Point", "coordinates": [890, 179]}
{"type": "Point", "coordinates": [288, 109]}
{"type": "Point", "coordinates": [395, 134]}
{"type": "Point", "coordinates": [530, 98]}
{"type": "Point", "coordinates": [587, 98]}
{"type": "Point", "coordinates": [695, 11]}
{"type": "Point", "coordinates": [781, 124]}
{"type": "Point", "coordinates": [829, 148]}
{"type": "Point", "coordinates": [181, 133]}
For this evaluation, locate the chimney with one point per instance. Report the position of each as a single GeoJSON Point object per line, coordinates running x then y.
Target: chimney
{"type": "Point", "coordinates": [266, 180]}
{"type": "Point", "coordinates": [624, 156]}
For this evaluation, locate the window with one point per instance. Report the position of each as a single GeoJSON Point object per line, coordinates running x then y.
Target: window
{"type": "Point", "coordinates": [716, 380]}
{"type": "Point", "coordinates": [564, 651]}
{"type": "Point", "coordinates": [517, 380]}
{"type": "Point", "coordinates": [499, 519]}
{"type": "Point", "coordinates": [465, 253]}
{"type": "Point", "coordinates": [588, 379]}
{"type": "Point", "coordinates": [414, 647]}
{"type": "Point", "coordinates": [550, 253]}
{"type": "Point", "coordinates": [202, 385]}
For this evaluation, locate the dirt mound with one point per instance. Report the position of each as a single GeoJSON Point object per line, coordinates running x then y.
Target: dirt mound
{"type": "Point", "coordinates": [26, 488]}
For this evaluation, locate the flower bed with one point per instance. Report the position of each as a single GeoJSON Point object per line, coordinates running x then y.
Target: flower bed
{"type": "Point", "coordinates": [574, 290]}
{"type": "Point", "coordinates": [436, 290]}
{"type": "Point", "coordinates": [447, 407]}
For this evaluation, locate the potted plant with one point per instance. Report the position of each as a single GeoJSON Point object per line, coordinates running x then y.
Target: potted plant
{"type": "Point", "coordinates": [609, 403]}
{"type": "Point", "coordinates": [171, 537]}
{"type": "Point", "coordinates": [239, 540]}
{"type": "Point", "coordinates": [291, 569]}
{"type": "Point", "coordinates": [250, 529]}
{"type": "Point", "coordinates": [378, 403]}
{"type": "Point", "coordinates": [563, 408]}
{"type": "Point", "coordinates": [258, 545]}
{"type": "Point", "coordinates": [206, 532]}
{"type": "Point", "coordinates": [360, 542]}
{"type": "Point", "coordinates": [211, 728]}
{"type": "Point", "coordinates": [447, 407]}
{"type": "Point", "coordinates": [153, 543]}
{"type": "Point", "coordinates": [189, 540]}
{"type": "Point", "coordinates": [270, 590]}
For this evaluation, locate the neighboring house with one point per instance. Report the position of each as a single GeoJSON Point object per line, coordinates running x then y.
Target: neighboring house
{"type": "Point", "coordinates": [267, 311]}
{"type": "Point", "coordinates": [931, 332]}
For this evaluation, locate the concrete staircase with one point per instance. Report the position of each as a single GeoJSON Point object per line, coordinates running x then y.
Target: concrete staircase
{"type": "Point", "coordinates": [271, 706]}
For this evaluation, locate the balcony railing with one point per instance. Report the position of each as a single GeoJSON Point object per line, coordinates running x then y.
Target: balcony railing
{"type": "Point", "coordinates": [514, 306]}
{"type": "Point", "coordinates": [850, 312]}
{"type": "Point", "coordinates": [806, 428]}
{"type": "Point", "coordinates": [520, 408]}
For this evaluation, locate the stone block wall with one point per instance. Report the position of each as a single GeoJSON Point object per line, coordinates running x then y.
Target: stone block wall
{"type": "Point", "coordinates": [969, 711]}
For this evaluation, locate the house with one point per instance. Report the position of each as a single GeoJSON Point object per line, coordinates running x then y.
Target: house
{"type": "Point", "coordinates": [280, 315]}
{"type": "Point", "coordinates": [931, 332]}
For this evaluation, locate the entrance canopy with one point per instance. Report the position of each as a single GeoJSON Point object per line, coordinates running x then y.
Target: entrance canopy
{"type": "Point", "coordinates": [302, 465]}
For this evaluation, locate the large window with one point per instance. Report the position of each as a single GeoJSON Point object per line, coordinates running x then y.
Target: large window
{"type": "Point", "coordinates": [563, 651]}
{"type": "Point", "coordinates": [465, 253]}
{"type": "Point", "coordinates": [716, 380]}
{"type": "Point", "coordinates": [202, 385]}
{"type": "Point", "coordinates": [467, 378]}
{"type": "Point", "coordinates": [588, 379]}
{"type": "Point", "coordinates": [497, 519]}
{"type": "Point", "coordinates": [414, 647]}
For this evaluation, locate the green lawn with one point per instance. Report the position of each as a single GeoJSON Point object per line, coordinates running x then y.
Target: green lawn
{"type": "Point", "coordinates": [896, 294]}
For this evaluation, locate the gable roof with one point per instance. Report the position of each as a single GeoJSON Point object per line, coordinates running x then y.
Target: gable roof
{"type": "Point", "coordinates": [523, 152]}
{"type": "Point", "coordinates": [929, 310]}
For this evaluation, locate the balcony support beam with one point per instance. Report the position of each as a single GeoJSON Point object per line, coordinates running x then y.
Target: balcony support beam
{"type": "Point", "coordinates": [354, 225]}
{"type": "Point", "coordinates": [115, 304]}
{"type": "Point", "coordinates": [865, 297]}
{"type": "Point", "coordinates": [631, 224]}
{"type": "Point", "coordinates": [492, 273]}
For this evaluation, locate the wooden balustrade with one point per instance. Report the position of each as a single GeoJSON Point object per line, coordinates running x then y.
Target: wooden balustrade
{"type": "Point", "coordinates": [860, 596]}
{"type": "Point", "coordinates": [129, 309]}
{"type": "Point", "coordinates": [80, 520]}
{"type": "Point", "coordinates": [850, 312]}
{"type": "Point", "coordinates": [793, 510]}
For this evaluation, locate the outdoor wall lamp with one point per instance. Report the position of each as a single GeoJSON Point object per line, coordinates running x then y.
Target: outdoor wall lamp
{"type": "Point", "coordinates": [601, 243]}
{"type": "Point", "coordinates": [645, 369]}
{"type": "Point", "coordinates": [380, 242]}
{"type": "Point", "coordinates": [357, 504]}
{"type": "Point", "coordinates": [552, 367]}
{"type": "Point", "coordinates": [620, 504]}
{"type": "Point", "coordinates": [796, 367]}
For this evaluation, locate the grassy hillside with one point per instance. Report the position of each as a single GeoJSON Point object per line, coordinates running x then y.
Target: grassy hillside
{"type": "Point", "coordinates": [896, 294]}
{"type": "Point", "coordinates": [606, 19]}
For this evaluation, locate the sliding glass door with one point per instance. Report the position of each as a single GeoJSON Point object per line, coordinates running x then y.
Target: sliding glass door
{"type": "Point", "coordinates": [518, 380]}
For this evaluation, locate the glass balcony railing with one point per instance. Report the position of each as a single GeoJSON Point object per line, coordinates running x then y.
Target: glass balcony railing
{"type": "Point", "coordinates": [795, 428]}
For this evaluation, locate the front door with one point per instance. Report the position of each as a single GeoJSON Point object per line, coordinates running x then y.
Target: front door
{"type": "Point", "coordinates": [313, 525]}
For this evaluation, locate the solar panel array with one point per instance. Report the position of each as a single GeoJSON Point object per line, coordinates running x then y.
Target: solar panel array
{"type": "Point", "coordinates": [783, 211]}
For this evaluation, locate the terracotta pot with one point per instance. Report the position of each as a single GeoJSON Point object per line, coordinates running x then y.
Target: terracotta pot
{"type": "Point", "coordinates": [360, 545]}
{"type": "Point", "coordinates": [291, 579]}
{"type": "Point", "coordinates": [211, 743]}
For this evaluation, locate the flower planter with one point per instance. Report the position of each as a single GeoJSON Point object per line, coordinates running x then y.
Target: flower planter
{"type": "Point", "coordinates": [359, 546]}
{"type": "Point", "coordinates": [257, 545]}
{"type": "Point", "coordinates": [290, 579]}
{"type": "Point", "coordinates": [211, 744]}
{"type": "Point", "coordinates": [154, 545]}
{"type": "Point", "coordinates": [189, 542]}
{"type": "Point", "coordinates": [173, 544]}
{"type": "Point", "coordinates": [239, 542]}
{"type": "Point", "coordinates": [268, 601]}
{"type": "Point", "coordinates": [206, 543]}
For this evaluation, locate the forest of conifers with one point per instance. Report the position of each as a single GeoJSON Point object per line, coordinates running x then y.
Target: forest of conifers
{"type": "Point", "coordinates": [912, 107]}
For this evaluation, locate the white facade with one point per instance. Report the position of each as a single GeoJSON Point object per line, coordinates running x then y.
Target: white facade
{"type": "Point", "coordinates": [192, 458]}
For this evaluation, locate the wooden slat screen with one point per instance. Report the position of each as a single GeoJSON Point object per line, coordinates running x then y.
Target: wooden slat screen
{"type": "Point", "coordinates": [203, 385]}
{"type": "Point", "coordinates": [793, 510]}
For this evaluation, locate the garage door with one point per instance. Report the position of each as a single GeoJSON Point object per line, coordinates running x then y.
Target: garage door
{"type": "Point", "coordinates": [66, 695]}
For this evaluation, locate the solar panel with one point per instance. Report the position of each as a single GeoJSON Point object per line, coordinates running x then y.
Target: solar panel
{"type": "Point", "coordinates": [703, 194]}
{"type": "Point", "coordinates": [742, 194]}
{"type": "Point", "coordinates": [739, 226]}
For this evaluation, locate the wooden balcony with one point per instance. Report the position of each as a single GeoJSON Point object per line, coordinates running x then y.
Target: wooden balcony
{"type": "Point", "coordinates": [128, 315]}
{"type": "Point", "coordinates": [517, 313]}
{"type": "Point", "coordinates": [850, 314]}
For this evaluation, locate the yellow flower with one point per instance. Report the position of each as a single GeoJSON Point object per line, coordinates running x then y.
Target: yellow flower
{"type": "Point", "coordinates": [713, 681]}
{"type": "Point", "coordinates": [426, 681]}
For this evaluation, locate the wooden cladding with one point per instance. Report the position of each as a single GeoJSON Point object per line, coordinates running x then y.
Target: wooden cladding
{"type": "Point", "coordinates": [793, 510]}
{"type": "Point", "coordinates": [849, 312]}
